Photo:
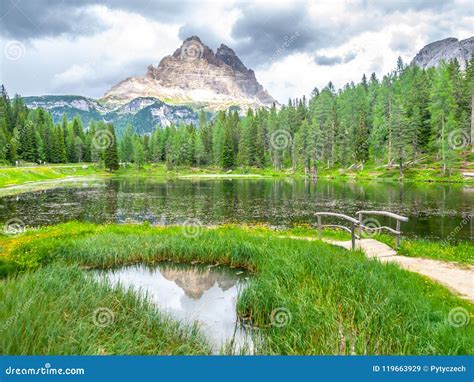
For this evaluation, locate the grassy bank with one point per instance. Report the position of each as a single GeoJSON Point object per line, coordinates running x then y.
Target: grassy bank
{"type": "Point", "coordinates": [429, 172]}
{"type": "Point", "coordinates": [333, 301]}
{"type": "Point", "coordinates": [12, 176]}
{"type": "Point", "coordinates": [161, 170]}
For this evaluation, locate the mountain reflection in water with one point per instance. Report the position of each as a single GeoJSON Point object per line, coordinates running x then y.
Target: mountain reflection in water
{"type": "Point", "coordinates": [192, 293]}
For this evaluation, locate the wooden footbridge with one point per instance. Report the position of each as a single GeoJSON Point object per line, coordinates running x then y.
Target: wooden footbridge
{"type": "Point", "coordinates": [372, 247]}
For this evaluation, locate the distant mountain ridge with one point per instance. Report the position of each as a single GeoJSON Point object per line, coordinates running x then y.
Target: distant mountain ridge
{"type": "Point", "coordinates": [142, 112]}
{"type": "Point", "coordinates": [445, 50]}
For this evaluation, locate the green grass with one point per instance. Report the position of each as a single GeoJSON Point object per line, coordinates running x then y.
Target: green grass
{"type": "Point", "coordinates": [10, 176]}
{"type": "Point", "coordinates": [339, 301]}
{"type": "Point", "coordinates": [160, 170]}
{"type": "Point", "coordinates": [462, 252]}
{"type": "Point", "coordinates": [54, 310]}
{"type": "Point", "coordinates": [429, 173]}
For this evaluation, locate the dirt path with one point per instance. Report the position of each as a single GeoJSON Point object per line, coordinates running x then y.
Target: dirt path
{"type": "Point", "coordinates": [458, 279]}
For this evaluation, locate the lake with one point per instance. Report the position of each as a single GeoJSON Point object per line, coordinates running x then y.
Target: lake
{"type": "Point", "coordinates": [434, 209]}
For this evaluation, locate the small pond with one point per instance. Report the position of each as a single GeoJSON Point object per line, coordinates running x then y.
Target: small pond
{"type": "Point", "coordinates": [205, 295]}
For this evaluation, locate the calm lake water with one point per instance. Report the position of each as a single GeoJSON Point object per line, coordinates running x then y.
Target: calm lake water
{"type": "Point", "coordinates": [197, 294]}
{"type": "Point", "coordinates": [435, 210]}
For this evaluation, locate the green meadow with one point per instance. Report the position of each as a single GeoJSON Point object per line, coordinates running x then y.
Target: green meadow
{"type": "Point", "coordinates": [329, 300]}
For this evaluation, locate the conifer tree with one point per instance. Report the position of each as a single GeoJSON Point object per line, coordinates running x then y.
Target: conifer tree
{"type": "Point", "coordinates": [138, 152]}
{"type": "Point", "coordinates": [442, 107]}
{"type": "Point", "coordinates": [110, 153]}
{"type": "Point", "coordinates": [126, 145]}
{"type": "Point", "coordinates": [227, 159]}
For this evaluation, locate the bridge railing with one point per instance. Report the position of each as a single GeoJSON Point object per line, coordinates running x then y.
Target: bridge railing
{"type": "Point", "coordinates": [397, 232]}
{"type": "Point", "coordinates": [359, 224]}
{"type": "Point", "coordinates": [354, 223]}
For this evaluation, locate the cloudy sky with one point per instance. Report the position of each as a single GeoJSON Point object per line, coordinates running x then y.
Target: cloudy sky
{"type": "Point", "coordinates": [86, 46]}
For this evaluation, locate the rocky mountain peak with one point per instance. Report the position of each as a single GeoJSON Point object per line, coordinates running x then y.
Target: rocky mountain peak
{"type": "Point", "coordinates": [445, 50]}
{"type": "Point", "coordinates": [194, 74]}
{"type": "Point", "coordinates": [194, 49]}
{"type": "Point", "coordinates": [228, 56]}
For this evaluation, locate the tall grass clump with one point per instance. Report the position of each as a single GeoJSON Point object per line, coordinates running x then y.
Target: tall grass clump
{"type": "Point", "coordinates": [60, 310]}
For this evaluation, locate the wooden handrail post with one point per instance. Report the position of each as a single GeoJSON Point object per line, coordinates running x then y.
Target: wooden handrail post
{"type": "Point", "coordinates": [352, 235]}
{"type": "Point", "coordinates": [360, 225]}
{"type": "Point", "coordinates": [320, 228]}
{"type": "Point", "coordinates": [397, 242]}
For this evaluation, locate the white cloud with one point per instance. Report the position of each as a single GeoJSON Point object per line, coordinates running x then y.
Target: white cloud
{"type": "Point", "coordinates": [73, 76]}
{"type": "Point", "coordinates": [89, 64]}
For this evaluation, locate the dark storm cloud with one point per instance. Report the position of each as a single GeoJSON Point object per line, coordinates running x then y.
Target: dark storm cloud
{"type": "Point", "coordinates": [262, 33]}
{"type": "Point", "coordinates": [23, 19]}
{"type": "Point", "coordinates": [333, 60]}
{"type": "Point", "coordinates": [259, 33]}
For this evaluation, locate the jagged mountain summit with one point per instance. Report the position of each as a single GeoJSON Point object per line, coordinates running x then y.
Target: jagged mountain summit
{"type": "Point", "coordinates": [445, 50]}
{"type": "Point", "coordinates": [196, 76]}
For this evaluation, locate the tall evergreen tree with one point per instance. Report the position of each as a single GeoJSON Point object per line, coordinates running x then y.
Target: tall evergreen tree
{"type": "Point", "coordinates": [110, 153]}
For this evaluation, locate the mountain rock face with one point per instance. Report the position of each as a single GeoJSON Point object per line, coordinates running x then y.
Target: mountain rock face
{"type": "Point", "coordinates": [194, 282]}
{"type": "Point", "coordinates": [445, 50]}
{"type": "Point", "coordinates": [194, 75]}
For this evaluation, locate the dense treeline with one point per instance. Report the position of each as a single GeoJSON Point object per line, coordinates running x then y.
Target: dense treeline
{"type": "Point", "coordinates": [31, 136]}
{"type": "Point", "coordinates": [409, 114]}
